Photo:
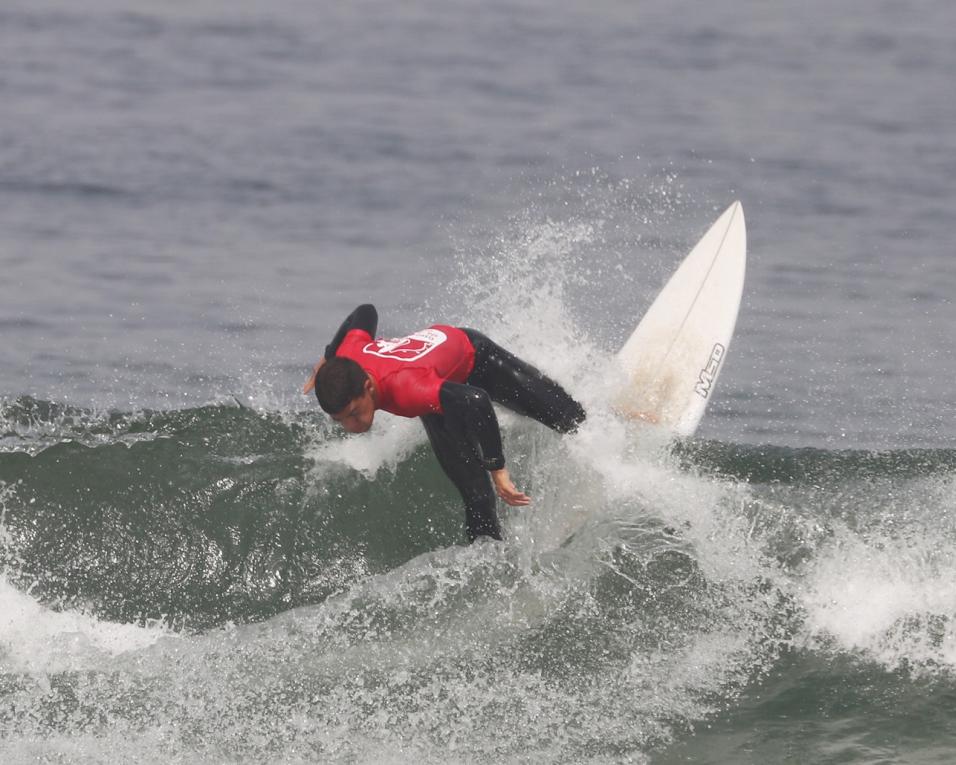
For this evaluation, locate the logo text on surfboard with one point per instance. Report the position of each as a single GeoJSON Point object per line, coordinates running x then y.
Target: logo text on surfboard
{"type": "Point", "coordinates": [708, 374]}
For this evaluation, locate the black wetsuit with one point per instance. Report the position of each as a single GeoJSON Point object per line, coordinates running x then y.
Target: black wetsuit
{"type": "Point", "coordinates": [466, 437]}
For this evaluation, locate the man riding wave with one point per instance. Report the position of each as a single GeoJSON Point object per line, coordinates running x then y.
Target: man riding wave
{"type": "Point", "coordinates": [449, 377]}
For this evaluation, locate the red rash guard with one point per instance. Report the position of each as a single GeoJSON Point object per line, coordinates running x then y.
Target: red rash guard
{"type": "Point", "coordinates": [409, 371]}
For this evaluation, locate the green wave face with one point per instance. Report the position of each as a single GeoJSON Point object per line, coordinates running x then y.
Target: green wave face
{"type": "Point", "coordinates": [198, 517]}
{"type": "Point", "coordinates": [180, 579]}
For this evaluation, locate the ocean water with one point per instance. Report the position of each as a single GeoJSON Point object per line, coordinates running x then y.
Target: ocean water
{"type": "Point", "coordinates": [197, 567]}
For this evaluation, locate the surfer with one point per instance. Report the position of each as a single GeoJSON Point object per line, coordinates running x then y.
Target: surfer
{"type": "Point", "coordinates": [448, 377]}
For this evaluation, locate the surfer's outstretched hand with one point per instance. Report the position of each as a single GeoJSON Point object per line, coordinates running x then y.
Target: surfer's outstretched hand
{"type": "Point", "coordinates": [310, 383]}
{"type": "Point", "coordinates": [507, 490]}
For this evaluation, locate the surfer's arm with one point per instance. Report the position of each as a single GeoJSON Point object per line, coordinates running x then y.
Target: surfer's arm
{"type": "Point", "coordinates": [468, 411]}
{"type": "Point", "coordinates": [364, 317]}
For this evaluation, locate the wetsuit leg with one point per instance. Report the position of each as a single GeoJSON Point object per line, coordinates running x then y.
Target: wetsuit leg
{"type": "Point", "coordinates": [463, 466]}
{"type": "Point", "coordinates": [522, 388]}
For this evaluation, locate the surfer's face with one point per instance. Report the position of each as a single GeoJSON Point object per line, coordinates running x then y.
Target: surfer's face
{"type": "Point", "coordinates": [358, 415]}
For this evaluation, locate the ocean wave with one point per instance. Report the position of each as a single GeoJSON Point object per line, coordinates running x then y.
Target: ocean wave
{"type": "Point", "coordinates": [319, 585]}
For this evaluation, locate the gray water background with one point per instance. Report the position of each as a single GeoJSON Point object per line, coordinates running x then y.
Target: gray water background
{"type": "Point", "coordinates": [192, 195]}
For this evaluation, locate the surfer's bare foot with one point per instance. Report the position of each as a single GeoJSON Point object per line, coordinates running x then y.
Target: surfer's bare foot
{"type": "Point", "coordinates": [634, 414]}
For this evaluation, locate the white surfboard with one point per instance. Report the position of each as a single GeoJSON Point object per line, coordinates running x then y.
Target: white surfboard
{"type": "Point", "coordinates": [673, 358]}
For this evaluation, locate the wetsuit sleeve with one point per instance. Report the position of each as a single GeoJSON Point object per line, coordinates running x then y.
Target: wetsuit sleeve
{"type": "Point", "coordinates": [364, 317]}
{"type": "Point", "coordinates": [469, 412]}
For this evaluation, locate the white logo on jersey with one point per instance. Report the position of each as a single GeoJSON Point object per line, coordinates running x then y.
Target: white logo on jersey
{"type": "Point", "coordinates": [409, 348]}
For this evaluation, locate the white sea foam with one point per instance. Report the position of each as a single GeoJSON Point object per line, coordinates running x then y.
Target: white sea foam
{"type": "Point", "coordinates": [889, 597]}
{"type": "Point", "coordinates": [36, 639]}
{"type": "Point", "coordinates": [389, 442]}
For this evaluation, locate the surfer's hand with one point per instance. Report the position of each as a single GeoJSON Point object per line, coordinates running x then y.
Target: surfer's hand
{"type": "Point", "coordinates": [310, 383]}
{"type": "Point", "coordinates": [507, 490]}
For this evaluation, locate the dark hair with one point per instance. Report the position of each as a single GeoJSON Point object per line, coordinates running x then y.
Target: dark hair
{"type": "Point", "coordinates": [338, 383]}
